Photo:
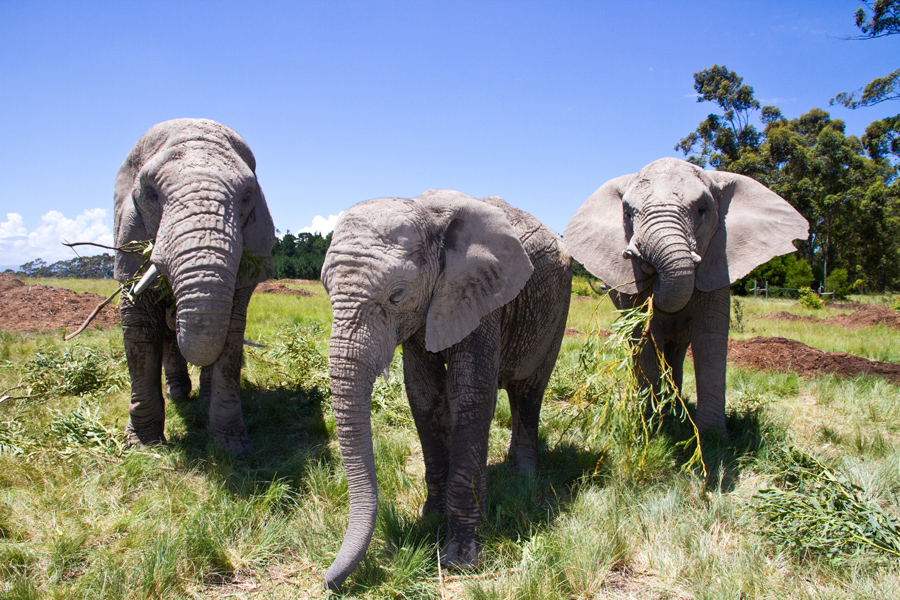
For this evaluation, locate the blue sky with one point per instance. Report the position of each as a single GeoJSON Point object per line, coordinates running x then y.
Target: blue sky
{"type": "Point", "coordinates": [342, 101]}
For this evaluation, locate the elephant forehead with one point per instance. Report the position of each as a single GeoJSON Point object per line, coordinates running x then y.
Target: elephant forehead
{"type": "Point", "coordinates": [366, 273]}
{"type": "Point", "coordinates": [667, 180]}
{"type": "Point", "coordinates": [210, 156]}
{"type": "Point", "coordinates": [669, 189]}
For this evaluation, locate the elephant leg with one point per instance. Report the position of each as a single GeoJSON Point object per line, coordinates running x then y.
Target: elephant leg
{"type": "Point", "coordinates": [472, 370]}
{"type": "Point", "coordinates": [178, 380]}
{"type": "Point", "coordinates": [205, 385]}
{"type": "Point", "coordinates": [709, 343]}
{"type": "Point", "coordinates": [675, 355]}
{"type": "Point", "coordinates": [525, 399]}
{"type": "Point", "coordinates": [143, 327]}
{"type": "Point", "coordinates": [226, 421]}
{"type": "Point", "coordinates": [425, 376]}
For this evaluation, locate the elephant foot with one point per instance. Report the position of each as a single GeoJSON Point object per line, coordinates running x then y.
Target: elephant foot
{"type": "Point", "coordinates": [178, 389]}
{"type": "Point", "coordinates": [145, 436]}
{"type": "Point", "coordinates": [238, 442]}
{"type": "Point", "coordinates": [460, 555]}
{"type": "Point", "coordinates": [525, 461]}
{"type": "Point", "coordinates": [435, 503]}
{"type": "Point", "coordinates": [524, 457]}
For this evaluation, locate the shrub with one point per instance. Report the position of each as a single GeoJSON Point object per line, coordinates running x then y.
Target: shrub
{"type": "Point", "coordinates": [582, 287]}
{"type": "Point", "coordinates": [810, 299]}
{"type": "Point", "coordinates": [837, 283]}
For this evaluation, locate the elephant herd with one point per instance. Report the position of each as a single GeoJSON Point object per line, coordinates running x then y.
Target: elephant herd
{"type": "Point", "coordinates": [475, 290]}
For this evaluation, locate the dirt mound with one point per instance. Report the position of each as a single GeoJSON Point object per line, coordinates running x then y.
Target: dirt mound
{"type": "Point", "coordinates": [278, 287]}
{"type": "Point", "coordinates": [869, 315]}
{"type": "Point", "coordinates": [299, 281]}
{"type": "Point", "coordinates": [8, 281]}
{"type": "Point", "coordinates": [781, 354]}
{"type": "Point", "coordinates": [32, 308]}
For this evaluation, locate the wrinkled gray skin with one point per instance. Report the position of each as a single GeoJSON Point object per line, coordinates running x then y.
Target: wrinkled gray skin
{"type": "Point", "coordinates": [190, 184]}
{"type": "Point", "coordinates": [683, 234]}
{"type": "Point", "coordinates": [477, 292]}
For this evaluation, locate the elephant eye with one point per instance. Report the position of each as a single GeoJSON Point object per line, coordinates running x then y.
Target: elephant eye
{"type": "Point", "coordinates": [701, 211]}
{"type": "Point", "coordinates": [396, 295]}
{"type": "Point", "coordinates": [150, 197]}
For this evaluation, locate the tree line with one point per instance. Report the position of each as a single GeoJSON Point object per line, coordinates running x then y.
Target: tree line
{"type": "Point", "coordinates": [846, 186]}
{"type": "Point", "coordinates": [295, 256]}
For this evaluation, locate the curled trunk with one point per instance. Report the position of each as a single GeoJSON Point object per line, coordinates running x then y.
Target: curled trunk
{"type": "Point", "coordinates": [667, 249]}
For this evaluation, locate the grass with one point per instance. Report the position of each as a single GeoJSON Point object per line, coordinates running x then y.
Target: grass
{"type": "Point", "coordinates": [80, 516]}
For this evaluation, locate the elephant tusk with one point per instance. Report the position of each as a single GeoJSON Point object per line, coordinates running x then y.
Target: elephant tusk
{"type": "Point", "coordinates": [631, 252]}
{"type": "Point", "coordinates": [146, 281]}
{"type": "Point", "coordinates": [386, 373]}
{"type": "Point", "coordinates": [696, 258]}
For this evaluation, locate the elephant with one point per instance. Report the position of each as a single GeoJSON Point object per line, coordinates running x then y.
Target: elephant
{"type": "Point", "coordinates": [683, 235]}
{"type": "Point", "coordinates": [477, 293]}
{"type": "Point", "coordinates": [190, 186]}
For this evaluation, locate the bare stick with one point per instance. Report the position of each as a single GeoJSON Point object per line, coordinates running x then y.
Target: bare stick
{"type": "Point", "coordinates": [92, 315]}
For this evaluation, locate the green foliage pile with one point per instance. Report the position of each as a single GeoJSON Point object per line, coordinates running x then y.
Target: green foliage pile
{"type": "Point", "coordinates": [295, 360]}
{"type": "Point", "coordinates": [73, 371]}
{"type": "Point", "coordinates": [814, 513]}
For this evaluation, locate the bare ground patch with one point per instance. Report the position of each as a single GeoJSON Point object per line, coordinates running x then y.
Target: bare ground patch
{"type": "Point", "coordinates": [33, 308]}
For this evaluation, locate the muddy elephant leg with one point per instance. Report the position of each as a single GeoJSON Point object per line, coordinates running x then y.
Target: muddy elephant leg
{"type": "Point", "coordinates": [226, 420]}
{"type": "Point", "coordinates": [178, 380]}
{"type": "Point", "coordinates": [472, 395]}
{"type": "Point", "coordinates": [425, 376]}
{"type": "Point", "coordinates": [143, 328]}
{"type": "Point", "coordinates": [525, 399]}
{"type": "Point", "coordinates": [709, 344]}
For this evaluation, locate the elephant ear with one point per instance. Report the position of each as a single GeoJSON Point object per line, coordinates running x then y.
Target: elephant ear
{"type": "Point", "coordinates": [259, 237]}
{"type": "Point", "coordinates": [755, 225]}
{"type": "Point", "coordinates": [485, 266]}
{"type": "Point", "coordinates": [128, 226]}
{"type": "Point", "coordinates": [598, 234]}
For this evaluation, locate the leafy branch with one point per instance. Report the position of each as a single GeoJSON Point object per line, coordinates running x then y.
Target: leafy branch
{"type": "Point", "coordinates": [631, 413]}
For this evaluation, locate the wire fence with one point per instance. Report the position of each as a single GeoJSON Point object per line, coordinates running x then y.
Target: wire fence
{"type": "Point", "coordinates": [768, 291]}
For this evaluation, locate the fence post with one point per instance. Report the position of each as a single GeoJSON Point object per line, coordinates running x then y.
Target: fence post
{"type": "Point", "coordinates": [767, 289]}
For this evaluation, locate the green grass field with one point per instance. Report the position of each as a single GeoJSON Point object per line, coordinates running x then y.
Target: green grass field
{"type": "Point", "coordinates": [802, 501]}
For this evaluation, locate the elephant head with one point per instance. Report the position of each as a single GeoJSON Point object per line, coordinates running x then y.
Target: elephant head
{"type": "Point", "coordinates": [687, 227]}
{"type": "Point", "coordinates": [441, 261]}
{"type": "Point", "coordinates": [190, 185]}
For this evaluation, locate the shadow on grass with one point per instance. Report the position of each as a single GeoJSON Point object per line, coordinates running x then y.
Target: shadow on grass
{"type": "Point", "coordinates": [289, 428]}
{"type": "Point", "coordinates": [749, 437]}
{"type": "Point", "coordinates": [405, 562]}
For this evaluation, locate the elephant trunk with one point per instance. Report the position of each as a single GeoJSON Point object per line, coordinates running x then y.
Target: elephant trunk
{"type": "Point", "coordinates": [200, 255]}
{"type": "Point", "coordinates": [355, 360]}
{"type": "Point", "coordinates": [668, 250]}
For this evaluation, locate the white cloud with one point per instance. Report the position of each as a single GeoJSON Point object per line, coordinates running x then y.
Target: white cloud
{"type": "Point", "coordinates": [18, 245]}
{"type": "Point", "coordinates": [322, 225]}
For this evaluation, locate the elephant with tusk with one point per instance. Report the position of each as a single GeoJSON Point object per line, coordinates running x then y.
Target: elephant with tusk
{"type": "Point", "coordinates": [190, 185]}
{"type": "Point", "coordinates": [477, 294]}
{"type": "Point", "coordinates": [683, 235]}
